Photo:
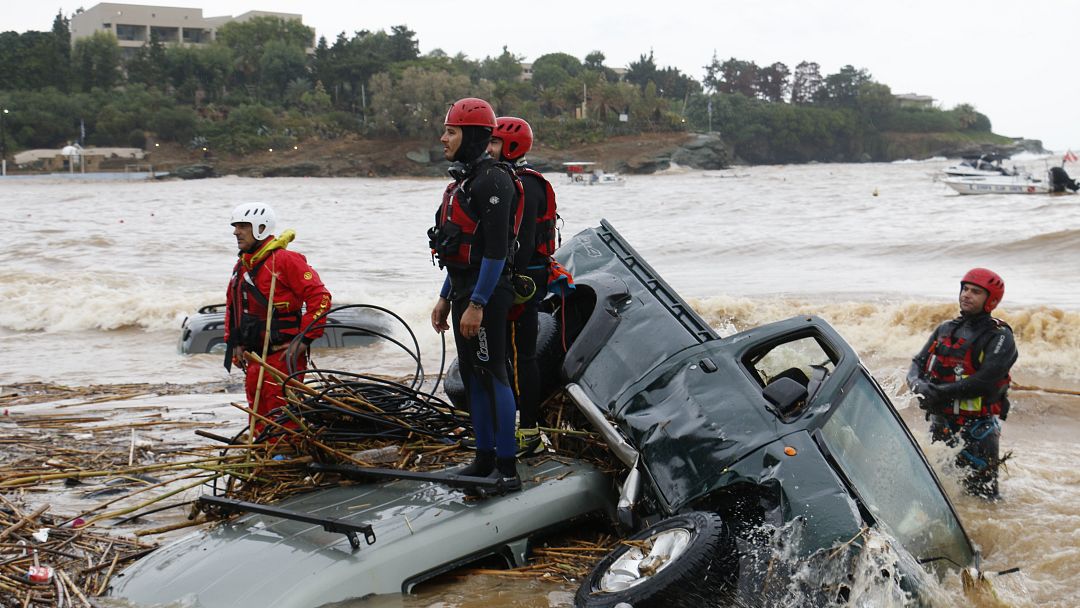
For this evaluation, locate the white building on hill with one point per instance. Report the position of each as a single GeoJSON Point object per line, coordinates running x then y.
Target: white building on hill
{"type": "Point", "coordinates": [134, 24]}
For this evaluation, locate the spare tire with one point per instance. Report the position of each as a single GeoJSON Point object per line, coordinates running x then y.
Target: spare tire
{"type": "Point", "coordinates": [685, 560]}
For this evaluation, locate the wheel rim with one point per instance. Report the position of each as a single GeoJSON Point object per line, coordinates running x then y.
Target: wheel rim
{"type": "Point", "coordinates": [635, 566]}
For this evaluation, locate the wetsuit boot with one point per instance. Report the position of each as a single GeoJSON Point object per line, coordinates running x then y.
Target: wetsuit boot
{"type": "Point", "coordinates": [506, 468]}
{"type": "Point", "coordinates": [481, 466]}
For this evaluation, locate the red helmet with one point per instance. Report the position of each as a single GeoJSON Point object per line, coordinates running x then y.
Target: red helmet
{"type": "Point", "coordinates": [516, 135]}
{"type": "Point", "coordinates": [470, 112]}
{"type": "Point", "coordinates": [988, 280]}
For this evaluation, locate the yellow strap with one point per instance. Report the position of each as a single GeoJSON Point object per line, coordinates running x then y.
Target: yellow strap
{"type": "Point", "coordinates": [281, 242]}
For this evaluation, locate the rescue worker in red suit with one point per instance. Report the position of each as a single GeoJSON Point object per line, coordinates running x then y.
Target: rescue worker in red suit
{"type": "Point", "coordinates": [511, 141]}
{"type": "Point", "coordinates": [961, 377]}
{"type": "Point", "coordinates": [299, 299]}
{"type": "Point", "coordinates": [473, 238]}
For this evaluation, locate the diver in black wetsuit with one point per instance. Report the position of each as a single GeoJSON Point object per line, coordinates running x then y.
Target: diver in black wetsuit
{"type": "Point", "coordinates": [961, 376]}
{"type": "Point", "coordinates": [473, 238]}
{"type": "Point", "coordinates": [511, 141]}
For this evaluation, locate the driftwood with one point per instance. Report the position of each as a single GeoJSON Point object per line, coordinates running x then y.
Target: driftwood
{"type": "Point", "coordinates": [86, 549]}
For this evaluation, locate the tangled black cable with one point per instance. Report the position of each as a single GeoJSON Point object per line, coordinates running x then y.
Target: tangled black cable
{"type": "Point", "coordinates": [341, 406]}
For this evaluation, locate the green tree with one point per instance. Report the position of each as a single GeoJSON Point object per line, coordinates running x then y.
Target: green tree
{"type": "Point", "coordinates": [842, 88]}
{"type": "Point", "coordinates": [968, 119]}
{"type": "Point", "coordinates": [249, 39]}
{"type": "Point", "coordinates": [805, 82]}
{"type": "Point", "coordinates": [402, 45]}
{"type": "Point", "coordinates": [213, 66]}
{"type": "Point", "coordinates": [280, 64]}
{"type": "Point", "coordinates": [642, 71]}
{"type": "Point", "coordinates": [554, 69]}
{"type": "Point", "coordinates": [738, 76]}
{"type": "Point", "coordinates": [148, 66]}
{"type": "Point", "coordinates": [61, 66]}
{"type": "Point", "coordinates": [505, 67]}
{"type": "Point", "coordinates": [96, 61]}
{"type": "Point", "coordinates": [34, 60]}
{"type": "Point", "coordinates": [594, 62]}
{"type": "Point", "coordinates": [875, 103]}
{"type": "Point", "coordinates": [772, 82]}
{"type": "Point", "coordinates": [416, 103]}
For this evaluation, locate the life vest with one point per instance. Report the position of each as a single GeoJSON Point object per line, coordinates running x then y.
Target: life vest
{"type": "Point", "coordinates": [456, 224]}
{"type": "Point", "coordinates": [546, 228]}
{"type": "Point", "coordinates": [249, 329]}
{"type": "Point", "coordinates": [957, 354]}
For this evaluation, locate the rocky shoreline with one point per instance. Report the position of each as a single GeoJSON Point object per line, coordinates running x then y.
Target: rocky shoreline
{"type": "Point", "coordinates": [359, 157]}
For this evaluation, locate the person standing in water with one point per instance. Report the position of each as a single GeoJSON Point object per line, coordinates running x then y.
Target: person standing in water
{"type": "Point", "coordinates": [961, 377]}
{"type": "Point", "coordinates": [266, 271]}
{"type": "Point", "coordinates": [473, 239]}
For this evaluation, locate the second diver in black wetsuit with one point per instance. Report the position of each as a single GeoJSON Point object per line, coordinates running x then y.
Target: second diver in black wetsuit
{"type": "Point", "coordinates": [511, 141]}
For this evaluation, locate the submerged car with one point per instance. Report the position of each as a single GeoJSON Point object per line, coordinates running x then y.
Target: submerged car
{"type": "Point", "coordinates": [355, 325]}
{"type": "Point", "coordinates": [774, 441]}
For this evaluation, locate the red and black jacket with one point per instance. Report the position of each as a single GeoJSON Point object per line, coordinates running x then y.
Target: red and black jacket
{"type": "Point", "coordinates": [300, 298]}
{"type": "Point", "coordinates": [968, 360]}
{"type": "Point", "coordinates": [545, 241]}
{"type": "Point", "coordinates": [456, 239]}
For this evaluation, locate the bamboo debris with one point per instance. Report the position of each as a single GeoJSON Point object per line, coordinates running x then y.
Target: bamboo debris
{"type": "Point", "coordinates": [66, 552]}
{"type": "Point", "coordinates": [44, 454]}
{"type": "Point", "coordinates": [570, 562]}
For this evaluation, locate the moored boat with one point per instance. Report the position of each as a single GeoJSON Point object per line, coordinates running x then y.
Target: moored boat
{"type": "Point", "coordinates": [1056, 182]}
{"type": "Point", "coordinates": [584, 173]}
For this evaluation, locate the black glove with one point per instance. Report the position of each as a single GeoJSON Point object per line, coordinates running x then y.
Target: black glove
{"type": "Point", "coordinates": [929, 395]}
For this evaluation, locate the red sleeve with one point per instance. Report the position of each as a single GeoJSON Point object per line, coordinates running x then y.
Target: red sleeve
{"type": "Point", "coordinates": [308, 286]}
{"type": "Point", "coordinates": [228, 306]}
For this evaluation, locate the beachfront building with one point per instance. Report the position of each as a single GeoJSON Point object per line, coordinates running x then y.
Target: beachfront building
{"type": "Point", "coordinates": [134, 24]}
{"type": "Point", "coordinates": [911, 100]}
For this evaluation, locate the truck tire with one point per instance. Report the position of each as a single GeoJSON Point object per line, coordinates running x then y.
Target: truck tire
{"type": "Point", "coordinates": [683, 561]}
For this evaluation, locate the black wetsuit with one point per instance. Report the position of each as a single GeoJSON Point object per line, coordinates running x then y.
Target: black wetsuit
{"type": "Point", "coordinates": [489, 193]}
{"type": "Point", "coordinates": [990, 347]}
{"type": "Point", "coordinates": [524, 327]}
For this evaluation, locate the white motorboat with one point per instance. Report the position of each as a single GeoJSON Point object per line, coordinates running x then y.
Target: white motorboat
{"type": "Point", "coordinates": [585, 173]}
{"type": "Point", "coordinates": [1057, 182]}
{"type": "Point", "coordinates": [1001, 184]}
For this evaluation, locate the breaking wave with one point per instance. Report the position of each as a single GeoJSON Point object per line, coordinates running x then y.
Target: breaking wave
{"type": "Point", "coordinates": [94, 301]}
{"type": "Point", "coordinates": [1048, 338]}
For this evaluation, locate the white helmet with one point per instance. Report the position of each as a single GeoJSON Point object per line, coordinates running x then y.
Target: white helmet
{"type": "Point", "coordinates": [259, 215]}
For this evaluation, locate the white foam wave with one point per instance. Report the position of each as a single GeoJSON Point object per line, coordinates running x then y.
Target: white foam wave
{"type": "Point", "coordinates": [94, 301]}
{"type": "Point", "coordinates": [894, 330]}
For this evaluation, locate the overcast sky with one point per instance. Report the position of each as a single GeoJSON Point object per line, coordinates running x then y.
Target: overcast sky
{"type": "Point", "coordinates": [1017, 62]}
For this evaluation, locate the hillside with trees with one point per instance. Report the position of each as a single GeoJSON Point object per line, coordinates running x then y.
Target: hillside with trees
{"type": "Point", "coordinates": [257, 87]}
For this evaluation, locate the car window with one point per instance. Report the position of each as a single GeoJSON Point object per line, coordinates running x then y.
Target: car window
{"type": "Point", "coordinates": [883, 464]}
{"type": "Point", "coordinates": [795, 360]}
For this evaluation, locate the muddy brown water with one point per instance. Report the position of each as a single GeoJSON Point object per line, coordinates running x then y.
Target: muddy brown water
{"type": "Point", "coordinates": [98, 276]}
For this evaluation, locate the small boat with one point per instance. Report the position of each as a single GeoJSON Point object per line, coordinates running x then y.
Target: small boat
{"type": "Point", "coordinates": [986, 165]}
{"type": "Point", "coordinates": [584, 173]}
{"type": "Point", "coordinates": [1057, 182]}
